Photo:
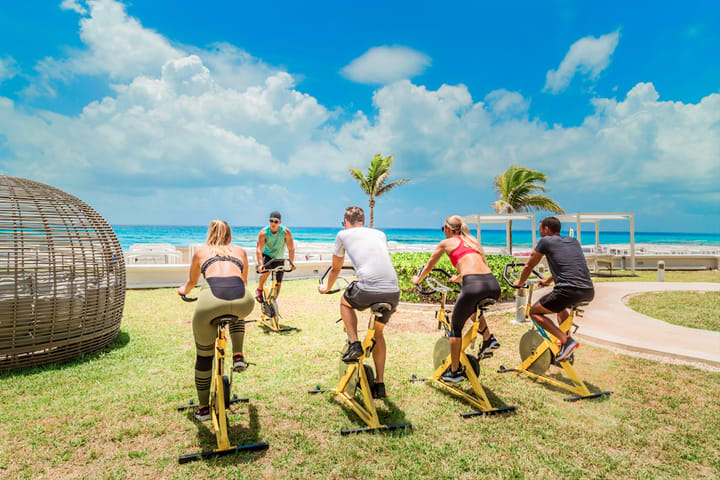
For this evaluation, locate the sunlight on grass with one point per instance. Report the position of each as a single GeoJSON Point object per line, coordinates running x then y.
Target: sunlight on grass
{"type": "Point", "coordinates": [712, 276]}
{"type": "Point", "coordinates": [687, 309]}
{"type": "Point", "coordinates": [113, 415]}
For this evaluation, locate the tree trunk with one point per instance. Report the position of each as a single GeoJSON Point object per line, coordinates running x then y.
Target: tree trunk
{"type": "Point", "coordinates": [372, 212]}
{"type": "Point", "coordinates": [509, 233]}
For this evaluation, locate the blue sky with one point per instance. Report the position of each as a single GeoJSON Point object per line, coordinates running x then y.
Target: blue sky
{"type": "Point", "coordinates": [173, 112]}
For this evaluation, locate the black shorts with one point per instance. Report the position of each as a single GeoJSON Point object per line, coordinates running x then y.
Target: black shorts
{"type": "Point", "coordinates": [274, 262]}
{"type": "Point", "coordinates": [360, 299]}
{"type": "Point", "coordinates": [563, 297]}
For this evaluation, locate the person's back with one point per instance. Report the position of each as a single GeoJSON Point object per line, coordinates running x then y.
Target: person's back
{"type": "Point", "coordinates": [566, 260]}
{"type": "Point", "coordinates": [367, 249]}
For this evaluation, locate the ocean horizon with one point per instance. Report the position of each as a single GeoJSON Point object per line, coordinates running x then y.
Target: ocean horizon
{"type": "Point", "coordinates": [246, 236]}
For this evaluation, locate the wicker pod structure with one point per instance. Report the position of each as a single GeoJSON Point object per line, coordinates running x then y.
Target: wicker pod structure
{"type": "Point", "coordinates": [62, 276]}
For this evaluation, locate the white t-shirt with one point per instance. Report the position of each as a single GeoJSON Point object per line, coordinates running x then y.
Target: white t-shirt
{"type": "Point", "coordinates": [367, 249]}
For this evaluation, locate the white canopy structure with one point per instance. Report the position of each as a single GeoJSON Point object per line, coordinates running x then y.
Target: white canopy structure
{"type": "Point", "coordinates": [577, 218]}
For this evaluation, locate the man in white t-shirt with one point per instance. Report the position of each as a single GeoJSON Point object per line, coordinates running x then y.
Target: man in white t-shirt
{"type": "Point", "coordinates": [377, 283]}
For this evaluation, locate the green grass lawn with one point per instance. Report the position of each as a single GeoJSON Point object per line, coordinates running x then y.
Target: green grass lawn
{"type": "Point", "coordinates": [687, 309]}
{"type": "Point", "coordinates": [651, 276]}
{"type": "Point", "coordinates": [113, 415]}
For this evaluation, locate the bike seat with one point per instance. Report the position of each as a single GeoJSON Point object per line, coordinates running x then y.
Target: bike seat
{"type": "Point", "coordinates": [581, 304]}
{"type": "Point", "coordinates": [222, 319]}
{"type": "Point", "coordinates": [486, 302]}
{"type": "Point", "coordinates": [380, 307]}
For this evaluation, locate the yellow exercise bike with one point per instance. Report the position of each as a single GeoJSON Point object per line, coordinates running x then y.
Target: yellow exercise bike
{"type": "Point", "coordinates": [441, 353]}
{"type": "Point", "coordinates": [269, 311]}
{"type": "Point", "coordinates": [220, 399]}
{"type": "Point", "coordinates": [538, 348]}
{"type": "Point", "coordinates": [357, 374]}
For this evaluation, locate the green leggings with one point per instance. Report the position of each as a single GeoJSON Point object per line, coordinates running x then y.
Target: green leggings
{"type": "Point", "coordinates": [209, 307]}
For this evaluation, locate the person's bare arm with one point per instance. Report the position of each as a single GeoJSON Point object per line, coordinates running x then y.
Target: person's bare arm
{"type": "Point", "coordinates": [193, 276]}
{"type": "Point", "coordinates": [290, 246]}
{"type": "Point", "coordinates": [528, 268]}
{"type": "Point", "coordinates": [259, 249]}
{"type": "Point", "coordinates": [337, 264]}
{"type": "Point", "coordinates": [434, 259]}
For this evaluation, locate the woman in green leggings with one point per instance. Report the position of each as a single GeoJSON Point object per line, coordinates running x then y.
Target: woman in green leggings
{"type": "Point", "coordinates": [224, 292]}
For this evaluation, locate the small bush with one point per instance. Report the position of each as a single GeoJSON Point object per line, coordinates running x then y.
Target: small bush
{"type": "Point", "coordinates": [407, 264]}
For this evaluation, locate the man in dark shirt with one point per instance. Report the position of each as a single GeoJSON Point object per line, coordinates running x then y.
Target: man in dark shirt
{"type": "Point", "coordinates": [571, 276]}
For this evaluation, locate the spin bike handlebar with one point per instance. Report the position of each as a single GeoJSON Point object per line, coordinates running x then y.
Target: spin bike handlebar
{"type": "Point", "coordinates": [279, 268]}
{"type": "Point", "coordinates": [188, 299]}
{"type": "Point", "coordinates": [434, 284]}
{"type": "Point", "coordinates": [511, 277]}
{"type": "Point", "coordinates": [335, 290]}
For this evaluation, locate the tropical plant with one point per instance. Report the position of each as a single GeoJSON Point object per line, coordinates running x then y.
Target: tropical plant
{"type": "Point", "coordinates": [373, 184]}
{"type": "Point", "coordinates": [517, 191]}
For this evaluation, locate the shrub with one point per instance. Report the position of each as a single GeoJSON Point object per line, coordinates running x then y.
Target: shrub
{"type": "Point", "coordinates": [407, 264]}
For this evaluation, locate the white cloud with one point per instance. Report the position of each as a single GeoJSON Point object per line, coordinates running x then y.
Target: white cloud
{"type": "Point", "coordinates": [383, 65]}
{"type": "Point", "coordinates": [8, 68]}
{"type": "Point", "coordinates": [73, 5]}
{"type": "Point", "coordinates": [589, 56]}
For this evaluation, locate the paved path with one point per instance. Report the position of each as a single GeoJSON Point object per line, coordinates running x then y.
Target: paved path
{"type": "Point", "coordinates": [609, 321]}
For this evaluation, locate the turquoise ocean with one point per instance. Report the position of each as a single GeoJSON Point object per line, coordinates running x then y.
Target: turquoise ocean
{"type": "Point", "coordinates": [182, 236]}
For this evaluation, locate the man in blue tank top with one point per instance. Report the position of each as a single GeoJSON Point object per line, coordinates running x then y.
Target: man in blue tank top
{"type": "Point", "coordinates": [571, 276]}
{"type": "Point", "coordinates": [271, 244]}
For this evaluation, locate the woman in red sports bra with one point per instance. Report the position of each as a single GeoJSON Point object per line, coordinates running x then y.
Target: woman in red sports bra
{"type": "Point", "coordinates": [478, 283]}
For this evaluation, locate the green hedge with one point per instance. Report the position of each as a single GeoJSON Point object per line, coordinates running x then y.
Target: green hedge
{"type": "Point", "coordinates": [407, 264]}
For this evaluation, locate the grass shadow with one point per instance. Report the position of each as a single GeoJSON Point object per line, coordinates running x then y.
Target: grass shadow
{"type": "Point", "coordinates": [561, 377]}
{"type": "Point", "coordinates": [495, 400]}
{"type": "Point", "coordinates": [120, 341]}
{"type": "Point", "coordinates": [388, 413]}
{"type": "Point", "coordinates": [613, 275]}
{"type": "Point", "coordinates": [237, 433]}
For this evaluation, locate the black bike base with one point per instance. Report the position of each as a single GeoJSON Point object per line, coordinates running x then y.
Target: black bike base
{"type": "Point", "coordinates": [400, 426]}
{"type": "Point", "coordinates": [494, 411]}
{"type": "Point", "coordinates": [585, 397]}
{"type": "Point", "coordinates": [415, 378]}
{"type": "Point", "coordinates": [253, 447]}
{"type": "Point", "coordinates": [279, 330]}
{"type": "Point", "coordinates": [502, 369]}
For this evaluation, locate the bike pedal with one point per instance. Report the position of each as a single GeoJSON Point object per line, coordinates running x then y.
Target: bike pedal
{"type": "Point", "coordinates": [485, 355]}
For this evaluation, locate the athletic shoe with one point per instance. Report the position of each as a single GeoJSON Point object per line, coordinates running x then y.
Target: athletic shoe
{"type": "Point", "coordinates": [259, 295]}
{"type": "Point", "coordinates": [202, 414]}
{"type": "Point", "coordinates": [454, 377]}
{"type": "Point", "coordinates": [239, 363]}
{"type": "Point", "coordinates": [353, 352]}
{"type": "Point", "coordinates": [566, 349]}
{"type": "Point", "coordinates": [378, 390]}
{"type": "Point", "coordinates": [488, 346]}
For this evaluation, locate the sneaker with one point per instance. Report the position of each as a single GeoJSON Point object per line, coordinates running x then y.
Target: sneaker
{"type": "Point", "coordinates": [353, 352]}
{"type": "Point", "coordinates": [202, 414]}
{"type": "Point", "coordinates": [454, 377]}
{"type": "Point", "coordinates": [488, 346]}
{"type": "Point", "coordinates": [566, 349]}
{"type": "Point", "coordinates": [378, 390]}
{"type": "Point", "coordinates": [239, 363]}
{"type": "Point", "coordinates": [259, 295]}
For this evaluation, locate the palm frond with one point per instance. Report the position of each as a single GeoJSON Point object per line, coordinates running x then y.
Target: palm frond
{"type": "Point", "coordinates": [390, 186]}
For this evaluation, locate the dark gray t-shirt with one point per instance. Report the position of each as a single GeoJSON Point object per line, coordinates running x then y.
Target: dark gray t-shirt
{"type": "Point", "coordinates": [567, 261]}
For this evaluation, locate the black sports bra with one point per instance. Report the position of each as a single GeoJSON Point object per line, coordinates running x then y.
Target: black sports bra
{"type": "Point", "coordinates": [220, 258]}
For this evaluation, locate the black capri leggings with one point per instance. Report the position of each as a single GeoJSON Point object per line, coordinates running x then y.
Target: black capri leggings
{"type": "Point", "coordinates": [475, 288]}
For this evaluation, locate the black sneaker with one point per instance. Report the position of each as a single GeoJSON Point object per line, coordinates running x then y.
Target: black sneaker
{"type": "Point", "coordinates": [488, 346]}
{"type": "Point", "coordinates": [239, 363]}
{"type": "Point", "coordinates": [378, 390]}
{"type": "Point", "coordinates": [454, 377]}
{"type": "Point", "coordinates": [202, 414]}
{"type": "Point", "coordinates": [566, 349]}
{"type": "Point", "coordinates": [353, 352]}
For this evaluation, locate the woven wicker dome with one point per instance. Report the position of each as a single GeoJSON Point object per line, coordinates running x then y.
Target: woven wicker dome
{"type": "Point", "coordinates": [62, 276]}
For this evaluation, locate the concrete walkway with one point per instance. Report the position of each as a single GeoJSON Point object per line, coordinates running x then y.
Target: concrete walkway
{"type": "Point", "coordinates": [608, 321]}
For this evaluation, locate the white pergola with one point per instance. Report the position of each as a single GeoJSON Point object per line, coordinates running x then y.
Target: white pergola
{"type": "Point", "coordinates": [506, 218]}
{"type": "Point", "coordinates": [580, 218]}
{"type": "Point", "coordinates": [577, 218]}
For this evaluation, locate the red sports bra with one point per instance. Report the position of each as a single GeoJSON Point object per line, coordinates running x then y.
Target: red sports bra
{"type": "Point", "coordinates": [460, 252]}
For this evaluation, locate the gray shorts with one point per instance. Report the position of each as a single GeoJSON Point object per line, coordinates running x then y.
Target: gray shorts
{"type": "Point", "coordinates": [360, 299]}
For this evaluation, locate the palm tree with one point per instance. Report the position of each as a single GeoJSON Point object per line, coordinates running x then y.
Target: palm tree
{"type": "Point", "coordinates": [374, 183]}
{"type": "Point", "coordinates": [517, 189]}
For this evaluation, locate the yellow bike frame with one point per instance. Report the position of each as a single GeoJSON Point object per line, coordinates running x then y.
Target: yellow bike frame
{"type": "Point", "coordinates": [551, 343]}
{"type": "Point", "coordinates": [272, 322]}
